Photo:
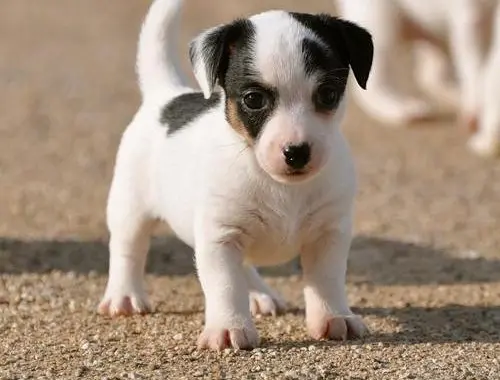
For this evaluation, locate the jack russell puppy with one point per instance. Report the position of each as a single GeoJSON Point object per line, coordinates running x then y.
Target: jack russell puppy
{"type": "Point", "coordinates": [252, 170]}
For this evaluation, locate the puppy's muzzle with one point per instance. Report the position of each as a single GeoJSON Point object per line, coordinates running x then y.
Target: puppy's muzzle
{"type": "Point", "coordinates": [297, 156]}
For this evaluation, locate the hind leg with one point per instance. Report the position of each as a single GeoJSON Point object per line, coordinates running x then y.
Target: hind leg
{"type": "Point", "coordinates": [263, 299]}
{"type": "Point", "coordinates": [130, 231]}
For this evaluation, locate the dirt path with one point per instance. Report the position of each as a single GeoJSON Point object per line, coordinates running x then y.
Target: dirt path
{"type": "Point", "coordinates": [425, 266]}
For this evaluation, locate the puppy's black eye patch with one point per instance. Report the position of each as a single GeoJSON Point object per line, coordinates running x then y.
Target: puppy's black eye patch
{"type": "Point", "coordinates": [329, 91]}
{"type": "Point", "coordinates": [319, 61]}
{"type": "Point", "coordinates": [251, 104]}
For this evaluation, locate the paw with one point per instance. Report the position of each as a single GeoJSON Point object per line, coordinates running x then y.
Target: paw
{"type": "Point", "coordinates": [124, 303]}
{"type": "Point", "coordinates": [219, 339]}
{"type": "Point", "coordinates": [266, 304]}
{"type": "Point", "coordinates": [413, 111]}
{"type": "Point", "coordinates": [470, 122]}
{"type": "Point", "coordinates": [484, 145]}
{"type": "Point", "coordinates": [397, 112]}
{"type": "Point", "coordinates": [337, 327]}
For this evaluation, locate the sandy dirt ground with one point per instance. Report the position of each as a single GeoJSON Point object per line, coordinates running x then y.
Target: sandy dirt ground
{"type": "Point", "coordinates": [425, 264]}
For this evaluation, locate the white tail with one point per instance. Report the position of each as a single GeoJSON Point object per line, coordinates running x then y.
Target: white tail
{"type": "Point", "coordinates": [157, 67]}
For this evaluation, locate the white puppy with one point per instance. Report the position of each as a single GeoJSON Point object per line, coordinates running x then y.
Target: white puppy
{"type": "Point", "coordinates": [253, 170]}
{"type": "Point", "coordinates": [466, 30]}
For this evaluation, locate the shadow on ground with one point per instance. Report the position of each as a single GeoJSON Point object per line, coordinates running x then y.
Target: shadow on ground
{"type": "Point", "coordinates": [373, 260]}
{"type": "Point", "coordinates": [416, 325]}
{"type": "Point", "coordinates": [446, 324]}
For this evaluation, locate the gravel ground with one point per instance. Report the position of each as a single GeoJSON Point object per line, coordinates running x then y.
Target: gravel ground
{"type": "Point", "coordinates": [425, 264]}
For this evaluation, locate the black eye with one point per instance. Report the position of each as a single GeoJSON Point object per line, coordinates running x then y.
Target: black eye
{"type": "Point", "coordinates": [255, 100]}
{"type": "Point", "coordinates": [326, 97]}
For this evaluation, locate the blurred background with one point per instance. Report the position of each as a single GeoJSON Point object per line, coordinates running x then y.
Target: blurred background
{"type": "Point", "coordinates": [427, 215]}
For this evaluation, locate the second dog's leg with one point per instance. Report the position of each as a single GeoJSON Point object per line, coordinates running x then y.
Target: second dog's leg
{"type": "Point", "coordinates": [327, 311]}
{"type": "Point", "coordinates": [486, 142]}
{"type": "Point", "coordinates": [433, 73]}
{"type": "Point", "coordinates": [228, 322]}
{"type": "Point", "coordinates": [263, 299]}
{"type": "Point", "coordinates": [467, 49]}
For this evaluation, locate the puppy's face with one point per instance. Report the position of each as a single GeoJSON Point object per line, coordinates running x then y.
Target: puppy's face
{"type": "Point", "coordinates": [284, 77]}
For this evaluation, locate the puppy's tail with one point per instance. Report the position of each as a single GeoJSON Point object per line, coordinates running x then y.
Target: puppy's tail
{"type": "Point", "coordinates": [157, 68]}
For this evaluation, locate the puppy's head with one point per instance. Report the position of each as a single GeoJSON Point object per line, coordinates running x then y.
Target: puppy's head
{"type": "Point", "coordinates": [284, 77]}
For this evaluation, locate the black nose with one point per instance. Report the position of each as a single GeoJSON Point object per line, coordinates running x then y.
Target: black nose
{"type": "Point", "coordinates": [297, 156]}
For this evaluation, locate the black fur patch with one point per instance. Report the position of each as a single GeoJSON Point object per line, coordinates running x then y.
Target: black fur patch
{"type": "Point", "coordinates": [215, 48]}
{"type": "Point", "coordinates": [253, 120]}
{"type": "Point", "coordinates": [348, 42]}
{"type": "Point", "coordinates": [186, 108]}
{"type": "Point", "coordinates": [320, 59]}
{"type": "Point", "coordinates": [240, 76]}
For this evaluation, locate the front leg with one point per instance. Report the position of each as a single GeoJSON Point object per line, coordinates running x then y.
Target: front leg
{"type": "Point", "coordinates": [486, 141]}
{"type": "Point", "coordinates": [434, 74]}
{"type": "Point", "coordinates": [324, 264]}
{"type": "Point", "coordinates": [228, 322]}
{"type": "Point", "coordinates": [467, 44]}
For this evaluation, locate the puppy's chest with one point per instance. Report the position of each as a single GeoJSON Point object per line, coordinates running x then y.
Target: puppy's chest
{"type": "Point", "coordinates": [273, 235]}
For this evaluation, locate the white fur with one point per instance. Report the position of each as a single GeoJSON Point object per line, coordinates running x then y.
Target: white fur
{"type": "Point", "coordinates": [438, 26]}
{"type": "Point", "coordinates": [155, 72]}
{"type": "Point", "coordinates": [217, 197]}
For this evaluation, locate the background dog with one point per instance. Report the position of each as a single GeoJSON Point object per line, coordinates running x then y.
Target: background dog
{"type": "Point", "coordinates": [462, 36]}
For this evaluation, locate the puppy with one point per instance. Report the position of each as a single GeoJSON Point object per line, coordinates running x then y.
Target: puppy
{"type": "Point", "coordinates": [467, 31]}
{"type": "Point", "coordinates": [253, 170]}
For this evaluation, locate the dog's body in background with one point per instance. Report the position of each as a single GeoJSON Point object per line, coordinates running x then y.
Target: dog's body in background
{"type": "Point", "coordinates": [252, 171]}
{"type": "Point", "coordinates": [448, 35]}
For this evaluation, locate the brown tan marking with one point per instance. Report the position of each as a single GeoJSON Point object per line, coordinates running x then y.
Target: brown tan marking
{"type": "Point", "coordinates": [235, 121]}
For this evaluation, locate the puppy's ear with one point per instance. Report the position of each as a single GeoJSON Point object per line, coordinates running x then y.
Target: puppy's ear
{"type": "Point", "coordinates": [359, 50]}
{"type": "Point", "coordinates": [210, 52]}
{"type": "Point", "coordinates": [353, 43]}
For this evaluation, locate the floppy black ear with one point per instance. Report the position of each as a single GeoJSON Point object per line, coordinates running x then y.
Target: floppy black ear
{"type": "Point", "coordinates": [210, 51]}
{"type": "Point", "coordinates": [359, 46]}
{"type": "Point", "coordinates": [353, 43]}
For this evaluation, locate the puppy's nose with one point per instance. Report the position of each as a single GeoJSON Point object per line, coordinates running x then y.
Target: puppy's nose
{"type": "Point", "coordinates": [297, 156]}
